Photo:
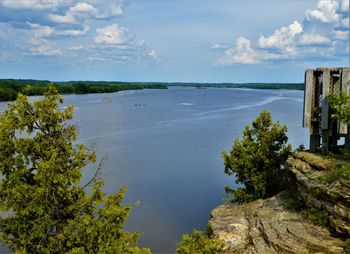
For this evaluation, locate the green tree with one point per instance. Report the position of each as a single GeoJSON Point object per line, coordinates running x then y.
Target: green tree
{"type": "Point", "coordinates": [197, 243]}
{"type": "Point", "coordinates": [257, 160]}
{"type": "Point", "coordinates": [48, 209]}
{"type": "Point", "coordinates": [341, 105]}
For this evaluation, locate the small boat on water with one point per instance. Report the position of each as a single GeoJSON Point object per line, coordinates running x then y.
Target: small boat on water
{"type": "Point", "coordinates": [106, 100]}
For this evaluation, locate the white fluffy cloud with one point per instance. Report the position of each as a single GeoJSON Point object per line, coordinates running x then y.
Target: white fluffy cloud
{"type": "Point", "coordinates": [152, 53]}
{"type": "Point", "coordinates": [64, 19]}
{"type": "Point", "coordinates": [326, 12]}
{"type": "Point", "coordinates": [44, 48]}
{"type": "Point", "coordinates": [220, 46]}
{"type": "Point", "coordinates": [39, 31]}
{"type": "Point", "coordinates": [283, 38]}
{"type": "Point", "coordinates": [313, 39]}
{"type": "Point", "coordinates": [32, 4]}
{"type": "Point", "coordinates": [83, 8]}
{"type": "Point", "coordinates": [341, 35]}
{"type": "Point", "coordinates": [52, 28]}
{"type": "Point", "coordinates": [345, 6]}
{"type": "Point", "coordinates": [112, 35]}
{"type": "Point", "coordinates": [323, 33]}
{"type": "Point", "coordinates": [243, 53]}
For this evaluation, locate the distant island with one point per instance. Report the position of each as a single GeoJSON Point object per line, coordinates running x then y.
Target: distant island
{"type": "Point", "coordinates": [9, 88]}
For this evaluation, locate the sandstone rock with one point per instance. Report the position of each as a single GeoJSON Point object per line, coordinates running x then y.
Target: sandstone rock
{"type": "Point", "coordinates": [267, 226]}
{"type": "Point", "coordinates": [313, 192]}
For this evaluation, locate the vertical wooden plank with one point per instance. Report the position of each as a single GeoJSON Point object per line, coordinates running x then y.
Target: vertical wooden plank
{"type": "Point", "coordinates": [345, 80]}
{"type": "Point", "coordinates": [325, 113]}
{"type": "Point", "coordinates": [345, 87]}
{"type": "Point", "coordinates": [314, 142]}
{"type": "Point", "coordinates": [308, 95]}
{"type": "Point", "coordinates": [325, 141]}
{"type": "Point", "coordinates": [326, 82]}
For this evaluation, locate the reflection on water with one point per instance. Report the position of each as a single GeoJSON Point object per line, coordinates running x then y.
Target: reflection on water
{"type": "Point", "coordinates": [168, 151]}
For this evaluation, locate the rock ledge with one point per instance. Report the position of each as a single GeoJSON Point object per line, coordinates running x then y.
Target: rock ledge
{"type": "Point", "coordinates": [267, 226]}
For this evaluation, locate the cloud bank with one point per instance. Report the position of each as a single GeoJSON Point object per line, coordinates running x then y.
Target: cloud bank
{"type": "Point", "coordinates": [52, 28]}
{"type": "Point", "coordinates": [323, 34]}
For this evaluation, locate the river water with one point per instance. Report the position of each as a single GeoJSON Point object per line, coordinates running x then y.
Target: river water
{"type": "Point", "coordinates": [165, 145]}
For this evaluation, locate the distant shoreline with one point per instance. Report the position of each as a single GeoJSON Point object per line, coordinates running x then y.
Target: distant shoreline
{"type": "Point", "coordinates": [278, 86]}
{"type": "Point", "coordinates": [9, 88]}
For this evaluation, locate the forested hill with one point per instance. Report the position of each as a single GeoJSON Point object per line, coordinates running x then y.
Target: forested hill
{"type": "Point", "coordinates": [9, 88]}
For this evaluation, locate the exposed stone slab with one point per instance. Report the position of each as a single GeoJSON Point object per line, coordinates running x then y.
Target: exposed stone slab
{"type": "Point", "coordinates": [266, 226]}
{"type": "Point", "coordinates": [333, 197]}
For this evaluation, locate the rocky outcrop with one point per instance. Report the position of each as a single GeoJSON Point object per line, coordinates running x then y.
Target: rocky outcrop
{"type": "Point", "coordinates": [308, 170]}
{"type": "Point", "coordinates": [267, 226]}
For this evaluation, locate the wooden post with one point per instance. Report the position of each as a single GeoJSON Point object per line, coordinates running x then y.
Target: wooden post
{"type": "Point", "coordinates": [309, 93]}
{"type": "Point", "coordinates": [326, 82]}
{"type": "Point", "coordinates": [345, 88]}
{"type": "Point", "coordinates": [314, 142]}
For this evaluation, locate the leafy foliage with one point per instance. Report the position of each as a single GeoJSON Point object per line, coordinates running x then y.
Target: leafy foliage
{"type": "Point", "coordinates": [257, 160]}
{"type": "Point", "coordinates": [342, 173]}
{"type": "Point", "coordinates": [48, 210]}
{"type": "Point", "coordinates": [316, 216]}
{"type": "Point", "coordinates": [197, 243]}
{"type": "Point", "coordinates": [341, 105]}
{"type": "Point", "coordinates": [346, 245]}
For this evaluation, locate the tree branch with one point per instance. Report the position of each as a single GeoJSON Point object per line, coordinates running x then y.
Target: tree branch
{"type": "Point", "coordinates": [96, 175]}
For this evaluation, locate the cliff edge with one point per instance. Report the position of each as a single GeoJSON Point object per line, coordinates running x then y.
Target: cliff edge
{"type": "Point", "coordinates": [273, 226]}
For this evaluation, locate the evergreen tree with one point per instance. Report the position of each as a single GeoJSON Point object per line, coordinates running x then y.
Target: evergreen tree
{"type": "Point", "coordinates": [257, 160]}
{"type": "Point", "coordinates": [47, 209]}
{"type": "Point", "coordinates": [198, 243]}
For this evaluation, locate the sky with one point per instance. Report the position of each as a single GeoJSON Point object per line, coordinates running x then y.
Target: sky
{"type": "Point", "coordinates": [172, 40]}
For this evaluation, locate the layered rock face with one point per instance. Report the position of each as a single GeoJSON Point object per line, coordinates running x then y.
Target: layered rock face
{"type": "Point", "coordinates": [268, 226]}
{"type": "Point", "coordinates": [308, 170]}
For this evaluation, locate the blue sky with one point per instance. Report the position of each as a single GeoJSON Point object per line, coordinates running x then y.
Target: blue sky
{"type": "Point", "coordinates": [172, 40]}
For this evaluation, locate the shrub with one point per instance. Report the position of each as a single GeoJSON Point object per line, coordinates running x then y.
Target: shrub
{"type": "Point", "coordinates": [316, 216]}
{"type": "Point", "coordinates": [257, 160]}
{"type": "Point", "coordinates": [197, 243]}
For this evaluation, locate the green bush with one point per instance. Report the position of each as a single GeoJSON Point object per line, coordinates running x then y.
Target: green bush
{"type": "Point", "coordinates": [342, 173]}
{"type": "Point", "coordinates": [257, 160]}
{"type": "Point", "coordinates": [346, 246]}
{"type": "Point", "coordinates": [316, 216]}
{"type": "Point", "coordinates": [197, 243]}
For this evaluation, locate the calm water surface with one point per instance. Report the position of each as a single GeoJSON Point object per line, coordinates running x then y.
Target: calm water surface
{"type": "Point", "coordinates": [165, 145]}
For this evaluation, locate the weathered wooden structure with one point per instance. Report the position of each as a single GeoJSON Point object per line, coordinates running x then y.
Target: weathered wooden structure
{"type": "Point", "coordinates": [325, 130]}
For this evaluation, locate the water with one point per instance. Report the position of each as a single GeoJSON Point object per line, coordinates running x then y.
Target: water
{"type": "Point", "coordinates": [165, 145]}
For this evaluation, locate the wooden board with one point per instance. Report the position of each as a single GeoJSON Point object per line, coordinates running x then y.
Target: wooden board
{"type": "Point", "coordinates": [345, 80]}
{"type": "Point", "coordinates": [326, 82]}
{"type": "Point", "coordinates": [345, 87]}
{"type": "Point", "coordinates": [308, 97]}
{"type": "Point", "coordinates": [325, 112]}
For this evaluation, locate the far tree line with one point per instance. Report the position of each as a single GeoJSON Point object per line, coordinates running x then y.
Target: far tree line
{"type": "Point", "coordinates": [9, 88]}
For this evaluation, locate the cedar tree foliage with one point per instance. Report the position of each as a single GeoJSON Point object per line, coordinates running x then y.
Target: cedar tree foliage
{"type": "Point", "coordinates": [45, 208]}
{"type": "Point", "coordinates": [257, 160]}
